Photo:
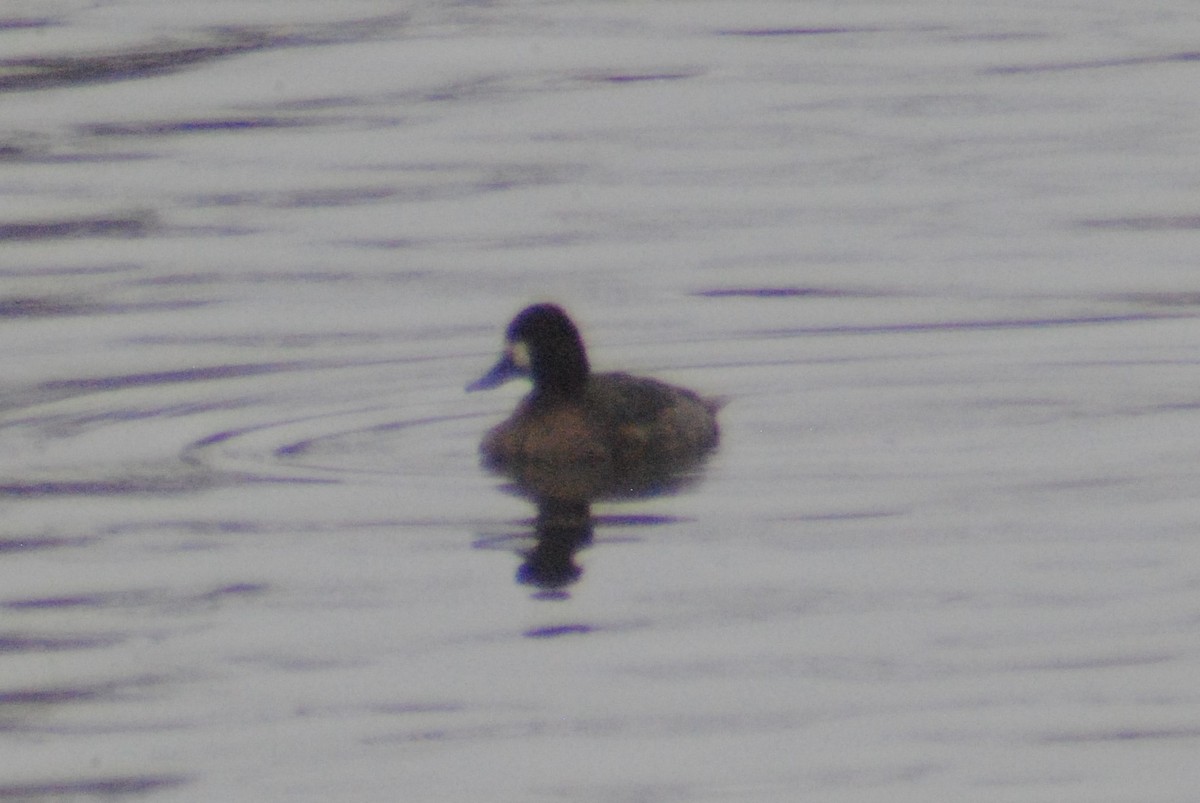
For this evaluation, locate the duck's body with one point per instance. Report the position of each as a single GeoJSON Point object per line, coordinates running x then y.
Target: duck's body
{"type": "Point", "coordinates": [602, 432]}
{"type": "Point", "coordinates": [618, 419]}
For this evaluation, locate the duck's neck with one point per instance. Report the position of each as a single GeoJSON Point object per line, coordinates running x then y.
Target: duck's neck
{"type": "Point", "coordinates": [561, 371]}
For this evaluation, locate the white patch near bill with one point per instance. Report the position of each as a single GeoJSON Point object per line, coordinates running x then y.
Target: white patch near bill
{"type": "Point", "coordinates": [519, 354]}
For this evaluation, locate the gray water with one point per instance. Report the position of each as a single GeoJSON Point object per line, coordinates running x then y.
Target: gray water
{"type": "Point", "coordinates": [942, 261]}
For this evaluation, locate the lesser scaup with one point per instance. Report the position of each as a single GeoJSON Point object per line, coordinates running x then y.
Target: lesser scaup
{"type": "Point", "coordinates": [622, 431]}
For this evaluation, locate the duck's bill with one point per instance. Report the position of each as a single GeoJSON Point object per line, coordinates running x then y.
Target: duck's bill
{"type": "Point", "coordinates": [504, 370]}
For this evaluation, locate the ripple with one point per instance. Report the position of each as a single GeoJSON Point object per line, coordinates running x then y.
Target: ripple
{"type": "Point", "coordinates": [152, 378]}
{"type": "Point", "coordinates": [26, 23]}
{"type": "Point", "coordinates": [1189, 222]}
{"type": "Point", "coordinates": [35, 543]}
{"type": "Point", "coordinates": [47, 72]}
{"type": "Point", "coordinates": [74, 69]}
{"type": "Point", "coordinates": [92, 787]}
{"type": "Point", "coordinates": [760, 33]}
{"type": "Point", "coordinates": [192, 126]}
{"type": "Point", "coordinates": [970, 324]}
{"type": "Point", "coordinates": [136, 225]}
{"type": "Point", "coordinates": [133, 599]}
{"type": "Point", "coordinates": [51, 306]}
{"type": "Point", "coordinates": [20, 643]}
{"type": "Point", "coordinates": [1093, 64]}
{"type": "Point", "coordinates": [108, 486]}
{"type": "Point", "coordinates": [782, 292]}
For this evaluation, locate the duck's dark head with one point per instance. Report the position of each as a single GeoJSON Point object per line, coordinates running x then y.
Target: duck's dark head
{"type": "Point", "coordinates": [543, 344]}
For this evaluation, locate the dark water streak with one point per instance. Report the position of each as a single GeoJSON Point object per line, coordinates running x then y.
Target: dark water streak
{"type": "Point", "coordinates": [53, 72]}
{"type": "Point", "coordinates": [96, 787]}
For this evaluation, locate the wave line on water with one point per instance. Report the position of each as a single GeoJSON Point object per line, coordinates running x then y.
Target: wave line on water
{"type": "Point", "coordinates": [979, 325]}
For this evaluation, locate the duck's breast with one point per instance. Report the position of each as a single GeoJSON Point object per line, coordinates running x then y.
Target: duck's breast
{"type": "Point", "coordinates": [560, 434]}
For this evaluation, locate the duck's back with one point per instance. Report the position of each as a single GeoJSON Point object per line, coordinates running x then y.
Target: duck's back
{"type": "Point", "coordinates": [646, 419]}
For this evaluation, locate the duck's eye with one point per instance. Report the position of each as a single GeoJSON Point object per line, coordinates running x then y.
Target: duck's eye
{"type": "Point", "coordinates": [519, 354]}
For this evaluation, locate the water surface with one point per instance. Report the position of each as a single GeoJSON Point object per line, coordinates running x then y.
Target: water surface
{"type": "Point", "coordinates": [941, 261]}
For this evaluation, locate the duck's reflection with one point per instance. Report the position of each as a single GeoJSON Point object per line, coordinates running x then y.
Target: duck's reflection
{"type": "Point", "coordinates": [564, 525]}
{"type": "Point", "coordinates": [562, 528]}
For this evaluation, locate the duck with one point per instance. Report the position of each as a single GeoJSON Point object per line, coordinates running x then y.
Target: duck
{"type": "Point", "coordinates": [582, 434]}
